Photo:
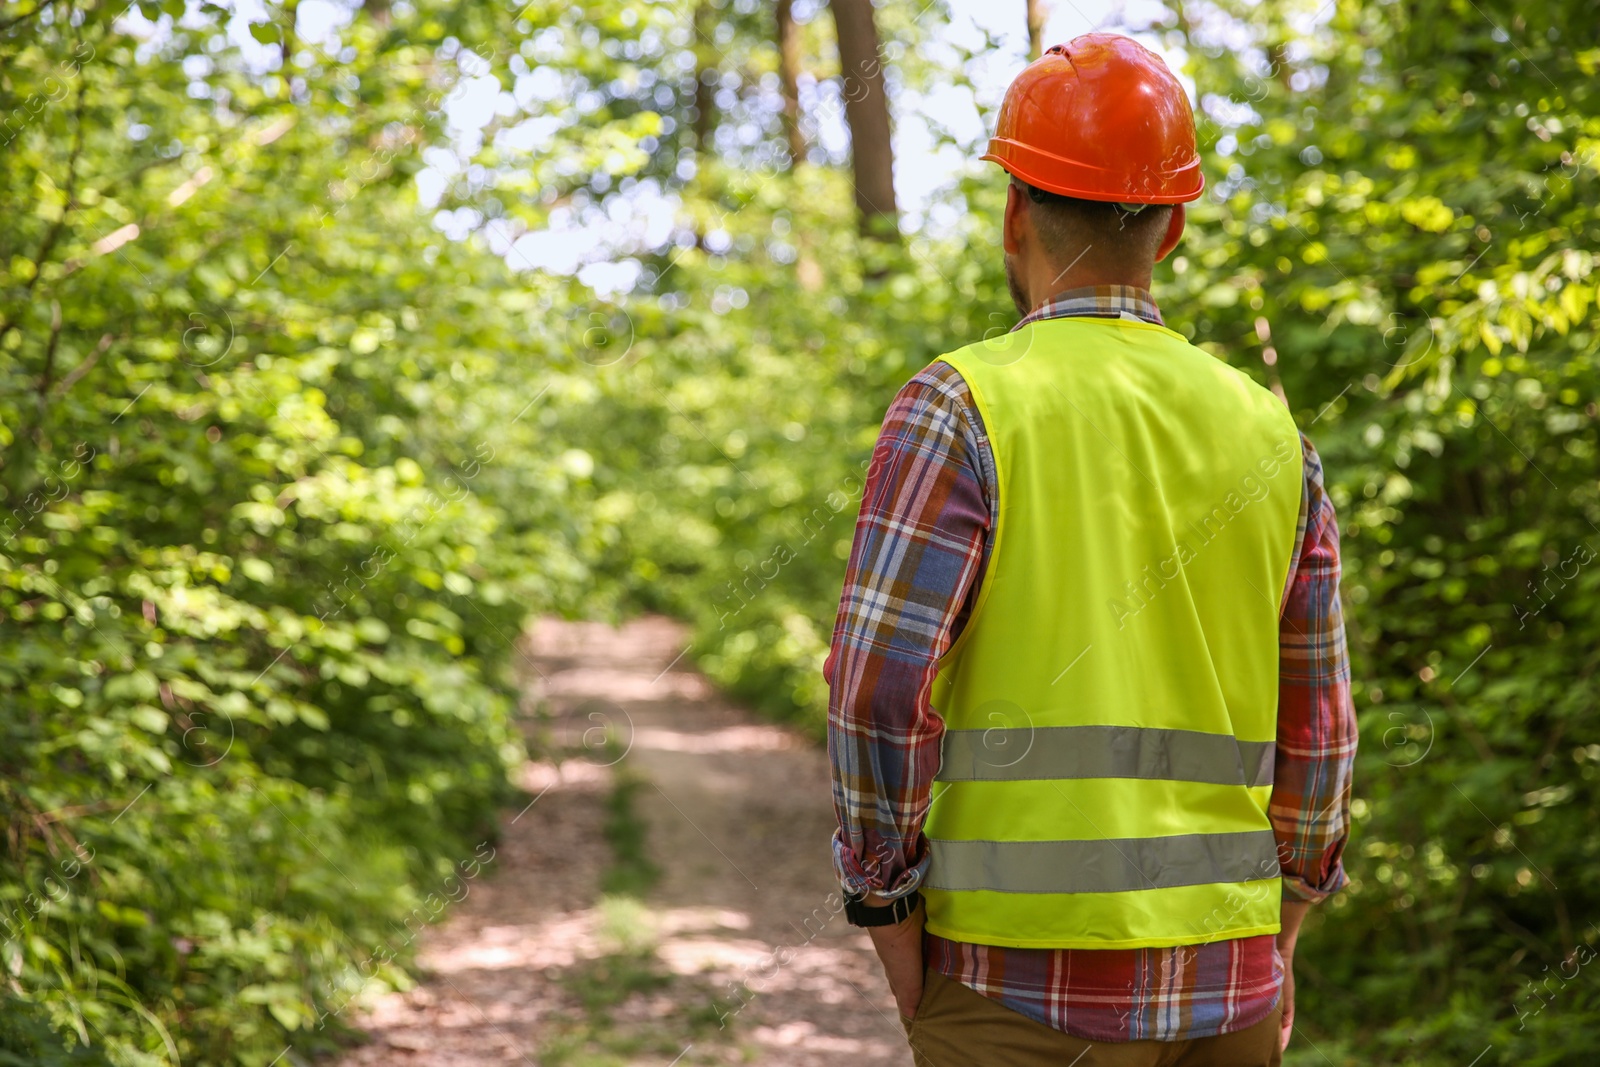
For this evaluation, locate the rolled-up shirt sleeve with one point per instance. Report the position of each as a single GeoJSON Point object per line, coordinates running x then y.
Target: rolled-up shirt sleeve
{"type": "Point", "coordinates": [1310, 808]}
{"type": "Point", "coordinates": [919, 547]}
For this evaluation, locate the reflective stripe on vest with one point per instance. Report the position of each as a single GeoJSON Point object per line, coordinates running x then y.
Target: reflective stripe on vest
{"type": "Point", "coordinates": [1114, 866]}
{"type": "Point", "coordinates": [1014, 754]}
{"type": "Point", "coordinates": [1111, 704]}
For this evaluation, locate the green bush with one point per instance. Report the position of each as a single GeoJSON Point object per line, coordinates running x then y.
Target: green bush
{"type": "Point", "coordinates": [259, 594]}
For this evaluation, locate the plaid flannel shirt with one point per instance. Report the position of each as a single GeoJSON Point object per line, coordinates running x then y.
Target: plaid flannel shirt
{"type": "Point", "coordinates": [921, 547]}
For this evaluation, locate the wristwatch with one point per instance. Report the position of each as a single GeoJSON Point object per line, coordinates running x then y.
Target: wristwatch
{"type": "Point", "coordinates": [897, 911]}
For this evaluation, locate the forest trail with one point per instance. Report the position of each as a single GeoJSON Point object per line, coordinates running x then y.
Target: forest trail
{"type": "Point", "coordinates": [731, 955]}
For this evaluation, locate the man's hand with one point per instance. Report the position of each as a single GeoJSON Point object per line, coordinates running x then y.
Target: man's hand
{"type": "Point", "coordinates": [899, 948]}
{"type": "Point", "coordinates": [1293, 913]}
{"type": "Point", "coordinates": [1286, 1001]}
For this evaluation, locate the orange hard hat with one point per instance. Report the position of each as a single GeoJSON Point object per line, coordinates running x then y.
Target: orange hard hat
{"type": "Point", "coordinates": [1100, 118]}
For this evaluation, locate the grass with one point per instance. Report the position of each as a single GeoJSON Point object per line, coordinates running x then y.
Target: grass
{"type": "Point", "coordinates": [593, 1035]}
{"type": "Point", "coordinates": [631, 872]}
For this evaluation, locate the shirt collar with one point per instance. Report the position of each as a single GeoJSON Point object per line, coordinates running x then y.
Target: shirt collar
{"type": "Point", "coordinates": [1097, 301]}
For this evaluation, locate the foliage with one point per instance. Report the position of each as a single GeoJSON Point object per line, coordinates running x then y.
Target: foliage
{"type": "Point", "coordinates": [1407, 221]}
{"type": "Point", "coordinates": [257, 598]}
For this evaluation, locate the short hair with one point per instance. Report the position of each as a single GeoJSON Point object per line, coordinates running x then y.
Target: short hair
{"type": "Point", "coordinates": [1123, 231]}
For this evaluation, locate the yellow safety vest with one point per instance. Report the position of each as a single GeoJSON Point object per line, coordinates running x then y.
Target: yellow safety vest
{"type": "Point", "coordinates": [1111, 706]}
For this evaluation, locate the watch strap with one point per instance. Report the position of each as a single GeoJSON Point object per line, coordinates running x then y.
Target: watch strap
{"type": "Point", "coordinates": [896, 911]}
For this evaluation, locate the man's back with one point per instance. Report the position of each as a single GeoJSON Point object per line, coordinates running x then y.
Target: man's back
{"type": "Point", "coordinates": [922, 560]}
{"type": "Point", "coordinates": [1126, 794]}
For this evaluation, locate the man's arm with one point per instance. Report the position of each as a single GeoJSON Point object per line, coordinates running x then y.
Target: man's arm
{"type": "Point", "coordinates": [1316, 749]}
{"type": "Point", "coordinates": [919, 546]}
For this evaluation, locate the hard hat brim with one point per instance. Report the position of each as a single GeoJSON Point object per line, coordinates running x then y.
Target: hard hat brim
{"type": "Point", "coordinates": [1177, 186]}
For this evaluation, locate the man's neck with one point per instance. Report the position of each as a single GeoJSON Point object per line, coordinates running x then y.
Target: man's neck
{"type": "Point", "coordinates": [1051, 279]}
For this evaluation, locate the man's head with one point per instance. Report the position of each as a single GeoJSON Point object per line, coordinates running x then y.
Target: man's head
{"type": "Point", "coordinates": [1055, 242]}
{"type": "Point", "coordinates": [1098, 137]}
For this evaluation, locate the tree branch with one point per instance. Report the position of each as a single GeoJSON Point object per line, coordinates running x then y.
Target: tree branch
{"type": "Point", "coordinates": [47, 379]}
{"type": "Point", "coordinates": [19, 464]}
{"type": "Point", "coordinates": [71, 189]}
{"type": "Point", "coordinates": [86, 365]}
{"type": "Point", "coordinates": [20, 19]}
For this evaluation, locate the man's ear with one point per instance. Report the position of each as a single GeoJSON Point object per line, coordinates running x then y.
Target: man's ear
{"type": "Point", "coordinates": [1011, 228]}
{"type": "Point", "coordinates": [1174, 232]}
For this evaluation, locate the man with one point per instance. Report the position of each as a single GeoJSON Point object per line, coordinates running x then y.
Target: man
{"type": "Point", "coordinates": [1090, 721]}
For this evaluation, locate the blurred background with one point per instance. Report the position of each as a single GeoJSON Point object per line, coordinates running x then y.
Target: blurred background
{"type": "Point", "coordinates": [339, 341]}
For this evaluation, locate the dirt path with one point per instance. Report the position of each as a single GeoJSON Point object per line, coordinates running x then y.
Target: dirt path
{"type": "Point", "coordinates": [731, 956]}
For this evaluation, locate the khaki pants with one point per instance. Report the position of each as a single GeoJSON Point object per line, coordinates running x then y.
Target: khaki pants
{"type": "Point", "coordinates": [959, 1027]}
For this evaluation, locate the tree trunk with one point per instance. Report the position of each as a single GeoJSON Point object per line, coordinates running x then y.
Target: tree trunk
{"type": "Point", "coordinates": [291, 15]}
{"type": "Point", "coordinates": [1038, 14]}
{"type": "Point", "coordinates": [1278, 56]}
{"type": "Point", "coordinates": [789, 61]}
{"type": "Point", "coordinates": [705, 65]}
{"type": "Point", "coordinates": [866, 109]}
